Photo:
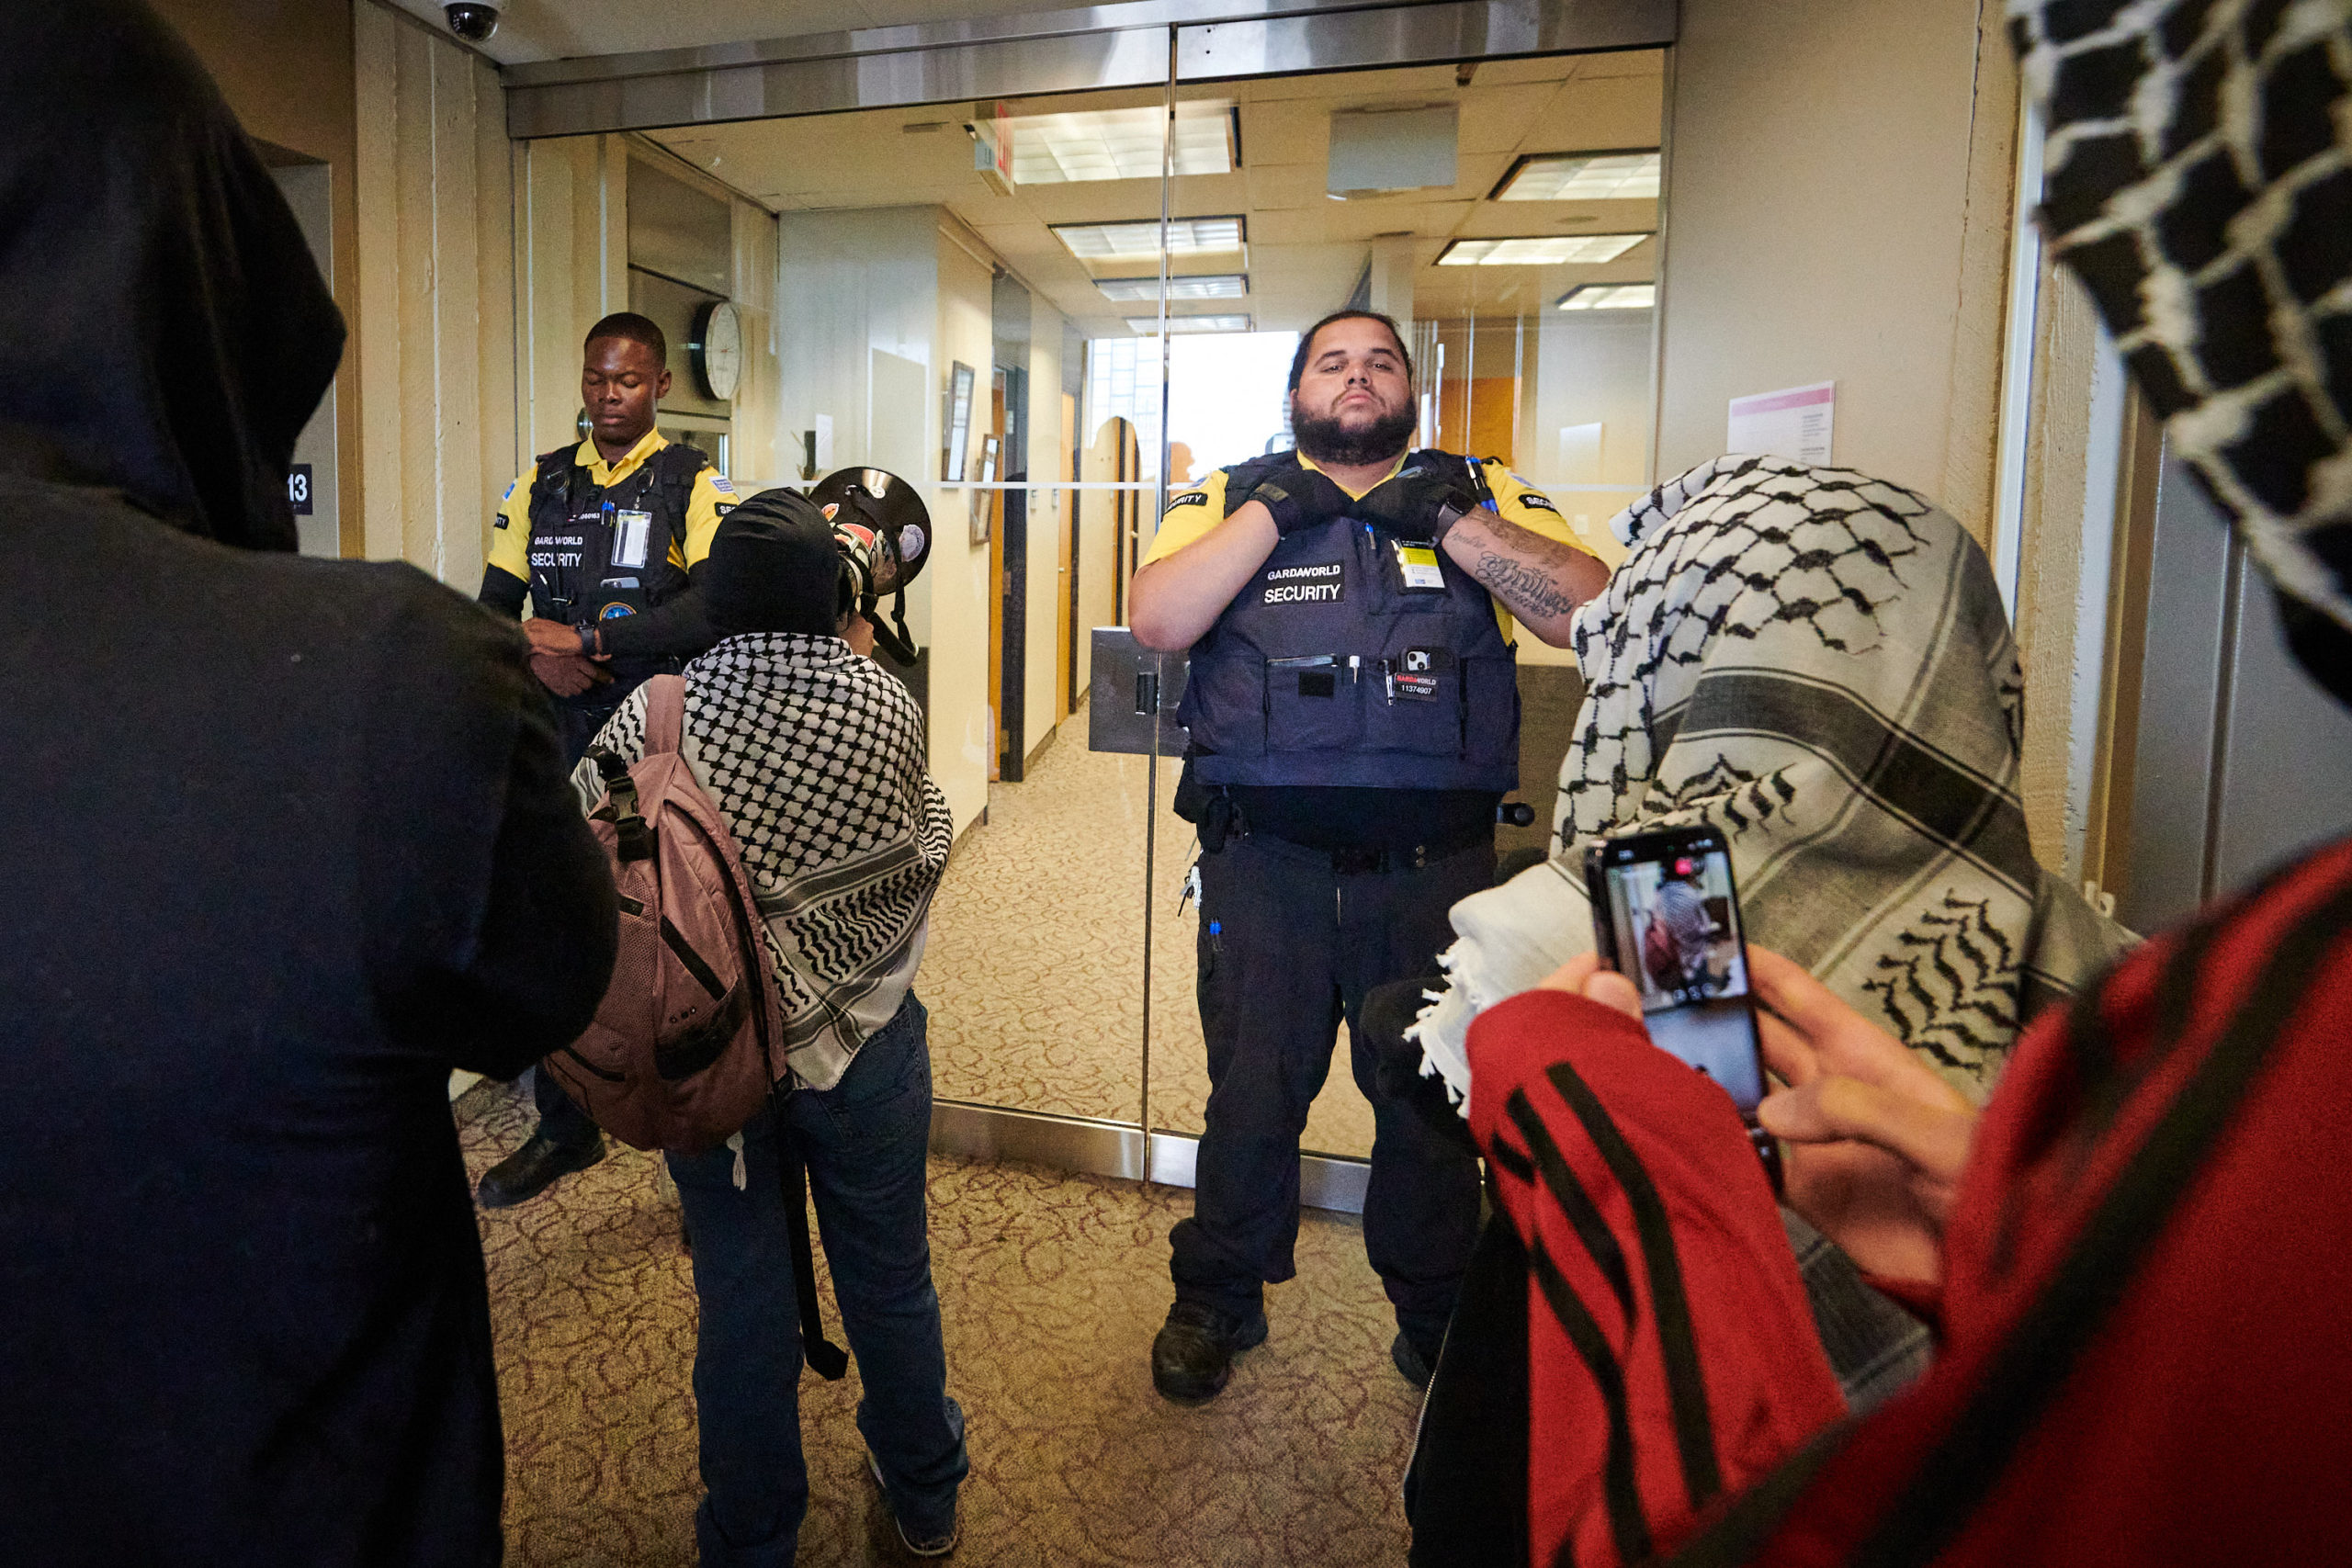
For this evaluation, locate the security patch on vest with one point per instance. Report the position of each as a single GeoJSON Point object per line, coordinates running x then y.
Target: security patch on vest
{"type": "Point", "coordinates": [614, 611]}
{"type": "Point", "coordinates": [562, 550]}
{"type": "Point", "coordinates": [1189, 498]}
{"type": "Point", "coordinates": [1322, 584]}
{"type": "Point", "coordinates": [1539, 500]}
{"type": "Point", "coordinates": [1417, 688]}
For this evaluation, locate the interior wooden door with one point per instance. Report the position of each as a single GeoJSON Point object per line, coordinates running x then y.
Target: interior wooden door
{"type": "Point", "coordinates": [993, 501]}
{"type": "Point", "coordinates": [1066, 576]}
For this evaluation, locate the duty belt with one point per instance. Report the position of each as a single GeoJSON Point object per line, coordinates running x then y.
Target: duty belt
{"type": "Point", "coordinates": [1369, 861]}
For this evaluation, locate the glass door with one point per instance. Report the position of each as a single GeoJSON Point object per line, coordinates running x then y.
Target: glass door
{"type": "Point", "coordinates": [1051, 315]}
{"type": "Point", "coordinates": [1506, 216]}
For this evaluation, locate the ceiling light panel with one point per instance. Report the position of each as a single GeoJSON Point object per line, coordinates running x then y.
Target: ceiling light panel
{"type": "Point", "coordinates": [1149, 325]}
{"type": "Point", "coordinates": [1136, 290]}
{"type": "Point", "coordinates": [1583, 177]}
{"type": "Point", "coordinates": [1119, 144]}
{"type": "Point", "coordinates": [1611, 297]}
{"type": "Point", "coordinates": [1140, 241]}
{"type": "Point", "coordinates": [1541, 250]}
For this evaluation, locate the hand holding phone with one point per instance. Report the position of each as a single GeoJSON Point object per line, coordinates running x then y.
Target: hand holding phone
{"type": "Point", "coordinates": [1666, 916]}
{"type": "Point", "coordinates": [1876, 1140]}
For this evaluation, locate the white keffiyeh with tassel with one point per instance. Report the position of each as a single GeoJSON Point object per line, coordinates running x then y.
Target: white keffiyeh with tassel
{"type": "Point", "coordinates": [1817, 664]}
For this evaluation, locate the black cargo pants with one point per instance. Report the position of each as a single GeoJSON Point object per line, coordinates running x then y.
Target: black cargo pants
{"type": "Point", "coordinates": [1289, 945]}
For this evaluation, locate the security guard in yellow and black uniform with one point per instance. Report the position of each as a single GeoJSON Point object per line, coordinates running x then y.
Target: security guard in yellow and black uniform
{"type": "Point", "coordinates": [1354, 712]}
{"type": "Point", "coordinates": [606, 539]}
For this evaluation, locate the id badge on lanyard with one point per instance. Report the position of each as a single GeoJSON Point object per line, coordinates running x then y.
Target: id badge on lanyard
{"type": "Point", "coordinates": [1417, 568]}
{"type": "Point", "coordinates": [632, 532]}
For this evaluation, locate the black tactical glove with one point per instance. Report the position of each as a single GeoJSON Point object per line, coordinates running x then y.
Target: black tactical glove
{"type": "Point", "coordinates": [1300, 498]}
{"type": "Point", "coordinates": [1423, 501]}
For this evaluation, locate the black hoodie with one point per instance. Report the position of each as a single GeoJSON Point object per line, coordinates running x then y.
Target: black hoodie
{"type": "Point", "coordinates": [286, 841]}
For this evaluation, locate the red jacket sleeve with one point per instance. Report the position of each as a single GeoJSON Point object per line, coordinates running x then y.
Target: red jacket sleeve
{"type": "Point", "coordinates": [1672, 1356]}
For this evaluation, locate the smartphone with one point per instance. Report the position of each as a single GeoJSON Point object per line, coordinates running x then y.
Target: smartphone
{"type": "Point", "coordinates": [1666, 916]}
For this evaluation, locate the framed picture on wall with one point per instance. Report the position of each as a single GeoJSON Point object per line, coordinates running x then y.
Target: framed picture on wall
{"type": "Point", "coordinates": [984, 501]}
{"type": "Point", "coordinates": [959, 423]}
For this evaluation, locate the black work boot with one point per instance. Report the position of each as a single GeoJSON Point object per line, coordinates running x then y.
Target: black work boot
{"type": "Point", "coordinates": [533, 1168]}
{"type": "Point", "coordinates": [1414, 1362]}
{"type": "Point", "coordinates": [1193, 1354]}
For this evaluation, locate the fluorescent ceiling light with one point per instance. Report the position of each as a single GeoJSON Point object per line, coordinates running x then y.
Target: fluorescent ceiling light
{"type": "Point", "coordinates": [1541, 250]}
{"type": "Point", "coordinates": [1140, 241]}
{"type": "Point", "coordinates": [1611, 297]}
{"type": "Point", "coordinates": [1119, 144]}
{"type": "Point", "coordinates": [1135, 290]}
{"type": "Point", "coordinates": [1582, 177]}
{"type": "Point", "coordinates": [1149, 325]}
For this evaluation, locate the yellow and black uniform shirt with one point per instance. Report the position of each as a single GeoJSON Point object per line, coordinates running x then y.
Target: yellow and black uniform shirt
{"type": "Point", "coordinates": [1515, 500]}
{"type": "Point", "coordinates": [1341, 818]}
{"type": "Point", "coordinates": [713, 497]}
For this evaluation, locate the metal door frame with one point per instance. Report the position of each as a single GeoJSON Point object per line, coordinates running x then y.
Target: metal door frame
{"type": "Point", "coordinates": [1125, 45]}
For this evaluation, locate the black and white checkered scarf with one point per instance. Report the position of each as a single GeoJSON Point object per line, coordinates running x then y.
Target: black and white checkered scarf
{"type": "Point", "coordinates": [814, 754]}
{"type": "Point", "coordinates": [1817, 664]}
{"type": "Point", "coordinates": [2199, 185]}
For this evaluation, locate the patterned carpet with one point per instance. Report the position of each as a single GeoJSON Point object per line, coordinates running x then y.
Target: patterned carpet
{"type": "Point", "coordinates": [1051, 1288]}
{"type": "Point", "coordinates": [1033, 973]}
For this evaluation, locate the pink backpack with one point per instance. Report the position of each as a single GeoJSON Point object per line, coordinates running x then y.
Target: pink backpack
{"type": "Point", "coordinates": [682, 1051]}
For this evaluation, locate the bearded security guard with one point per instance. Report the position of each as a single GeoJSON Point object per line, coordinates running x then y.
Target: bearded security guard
{"type": "Point", "coordinates": [608, 539]}
{"type": "Point", "coordinates": [1353, 709]}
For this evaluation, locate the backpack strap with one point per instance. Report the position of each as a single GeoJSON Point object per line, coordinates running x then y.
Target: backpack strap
{"type": "Point", "coordinates": [825, 1358]}
{"type": "Point", "coordinates": [621, 806]}
{"type": "Point", "coordinates": [665, 714]}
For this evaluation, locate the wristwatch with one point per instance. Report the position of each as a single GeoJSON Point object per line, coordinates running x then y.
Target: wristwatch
{"type": "Point", "coordinates": [591, 641]}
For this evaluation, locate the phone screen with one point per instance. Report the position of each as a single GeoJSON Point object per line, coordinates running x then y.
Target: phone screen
{"type": "Point", "coordinates": [1676, 924]}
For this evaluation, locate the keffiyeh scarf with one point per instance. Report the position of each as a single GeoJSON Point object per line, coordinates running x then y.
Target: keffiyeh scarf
{"type": "Point", "coordinates": [2199, 185]}
{"type": "Point", "coordinates": [1817, 664]}
{"type": "Point", "coordinates": [814, 754]}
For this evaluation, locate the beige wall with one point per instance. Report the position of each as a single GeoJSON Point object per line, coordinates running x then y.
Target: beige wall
{"type": "Point", "coordinates": [1836, 202]}
{"type": "Point", "coordinates": [760, 454]}
{"type": "Point", "coordinates": [256, 49]}
{"type": "Point", "coordinates": [1046, 593]}
{"type": "Point", "coordinates": [572, 267]}
{"type": "Point", "coordinates": [963, 730]}
{"type": "Point", "coordinates": [437, 283]}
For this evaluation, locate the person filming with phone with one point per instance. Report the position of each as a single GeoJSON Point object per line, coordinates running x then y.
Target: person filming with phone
{"type": "Point", "coordinates": [2134, 1254]}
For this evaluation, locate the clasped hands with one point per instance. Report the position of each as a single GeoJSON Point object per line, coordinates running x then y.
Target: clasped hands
{"type": "Point", "coordinates": [558, 662]}
{"type": "Point", "coordinates": [1874, 1140]}
{"type": "Point", "coordinates": [1408, 504]}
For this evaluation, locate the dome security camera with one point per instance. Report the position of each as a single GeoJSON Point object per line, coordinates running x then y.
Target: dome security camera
{"type": "Point", "coordinates": [473, 23]}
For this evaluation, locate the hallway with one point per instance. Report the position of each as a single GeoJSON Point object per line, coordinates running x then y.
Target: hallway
{"type": "Point", "coordinates": [1051, 1288]}
{"type": "Point", "coordinates": [1033, 973]}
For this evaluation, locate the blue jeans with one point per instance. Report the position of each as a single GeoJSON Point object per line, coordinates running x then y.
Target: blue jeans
{"type": "Point", "coordinates": [864, 1142]}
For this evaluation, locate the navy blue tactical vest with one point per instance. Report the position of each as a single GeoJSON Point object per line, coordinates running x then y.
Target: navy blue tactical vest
{"type": "Point", "coordinates": [1348, 661]}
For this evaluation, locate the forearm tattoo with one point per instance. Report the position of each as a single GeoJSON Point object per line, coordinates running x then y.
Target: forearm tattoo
{"type": "Point", "coordinates": [1532, 580]}
{"type": "Point", "coordinates": [1526, 590]}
